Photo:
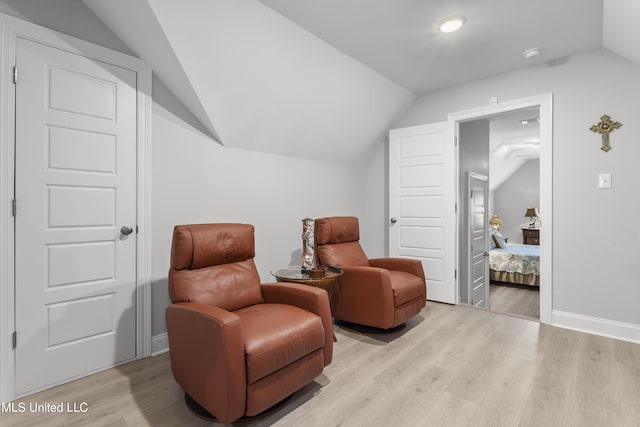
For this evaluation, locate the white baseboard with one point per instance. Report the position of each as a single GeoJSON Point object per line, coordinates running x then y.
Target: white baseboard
{"type": "Point", "coordinates": [159, 344]}
{"type": "Point", "coordinates": [597, 326]}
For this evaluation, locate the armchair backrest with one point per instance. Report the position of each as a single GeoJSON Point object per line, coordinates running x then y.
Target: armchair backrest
{"type": "Point", "coordinates": [337, 241]}
{"type": "Point", "coordinates": [213, 264]}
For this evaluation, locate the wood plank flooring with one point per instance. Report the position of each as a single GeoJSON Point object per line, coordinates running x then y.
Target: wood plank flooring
{"type": "Point", "coordinates": [520, 300]}
{"type": "Point", "coordinates": [450, 366]}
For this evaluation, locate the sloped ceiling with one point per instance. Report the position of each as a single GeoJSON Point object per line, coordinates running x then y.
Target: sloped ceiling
{"type": "Point", "coordinates": [401, 40]}
{"type": "Point", "coordinates": [257, 80]}
{"type": "Point", "coordinates": [512, 142]}
{"type": "Point", "coordinates": [326, 79]}
{"type": "Point", "coordinates": [135, 24]}
{"type": "Point", "coordinates": [621, 31]}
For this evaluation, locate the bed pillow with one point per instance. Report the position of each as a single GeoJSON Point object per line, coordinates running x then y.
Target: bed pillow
{"type": "Point", "coordinates": [499, 239]}
{"type": "Point", "coordinates": [492, 242]}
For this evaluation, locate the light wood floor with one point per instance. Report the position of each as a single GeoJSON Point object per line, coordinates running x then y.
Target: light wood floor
{"type": "Point", "coordinates": [521, 300]}
{"type": "Point", "coordinates": [451, 366]}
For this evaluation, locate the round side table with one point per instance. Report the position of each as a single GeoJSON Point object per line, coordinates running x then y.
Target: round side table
{"type": "Point", "coordinates": [294, 274]}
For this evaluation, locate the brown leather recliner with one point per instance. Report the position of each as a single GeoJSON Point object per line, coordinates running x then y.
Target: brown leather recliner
{"type": "Point", "coordinates": [238, 347]}
{"type": "Point", "coordinates": [382, 292]}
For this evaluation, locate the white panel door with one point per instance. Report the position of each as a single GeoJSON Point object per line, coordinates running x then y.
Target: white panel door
{"type": "Point", "coordinates": [75, 189]}
{"type": "Point", "coordinates": [478, 268]}
{"type": "Point", "coordinates": [421, 204]}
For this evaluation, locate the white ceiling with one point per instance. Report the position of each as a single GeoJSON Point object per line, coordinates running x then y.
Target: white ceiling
{"type": "Point", "coordinates": [509, 134]}
{"type": "Point", "coordinates": [256, 80]}
{"type": "Point", "coordinates": [512, 143]}
{"type": "Point", "coordinates": [621, 31]}
{"type": "Point", "coordinates": [326, 79]}
{"type": "Point", "coordinates": [399, 39]}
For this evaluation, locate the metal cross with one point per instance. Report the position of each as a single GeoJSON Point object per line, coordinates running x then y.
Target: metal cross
{"type": "Point", "coordinates": [605, 127]}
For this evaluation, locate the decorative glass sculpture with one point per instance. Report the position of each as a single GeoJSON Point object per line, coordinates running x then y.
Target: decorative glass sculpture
{"type": "Point", "coordinates": [308, 259]}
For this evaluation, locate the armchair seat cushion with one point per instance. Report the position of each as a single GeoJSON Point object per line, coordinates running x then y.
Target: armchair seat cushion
{"type": "Point", "coordinates": [277, 335]}
{"type": "Point", "coordinates": [406, 287]}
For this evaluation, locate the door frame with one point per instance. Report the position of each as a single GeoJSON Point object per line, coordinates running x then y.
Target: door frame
{"type": "Point", "coordinates": [545, 103]}
{"type": "Point", "coordinates": [485, 179]}
{"type": "Point", "coordinates": [10, 29]}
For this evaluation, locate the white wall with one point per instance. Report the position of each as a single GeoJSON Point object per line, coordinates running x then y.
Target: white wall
{"type": "Point", "coordinates": [595, 256]}
{"type": "Point", "coordinates": [371, 176]}
{"type": "Point", "coordinates": [473, 156]}
{"type": "Point", "coordinates": [512, 198]}
{"type": "Point", "coordinates": [197, 180]}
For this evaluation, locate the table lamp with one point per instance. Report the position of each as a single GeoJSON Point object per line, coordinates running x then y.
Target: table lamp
{"type": "Point", "coordinates": [532, 214]}
{"type": "Point", "coordinates": [496, 222]}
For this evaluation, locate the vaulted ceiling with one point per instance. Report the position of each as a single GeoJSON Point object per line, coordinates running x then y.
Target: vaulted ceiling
{"type": "Point", "coordinates": [326, 79]}
{"type": "Point", "coordinates": [514, 138]}
{"type": "Point", "coordinates": [401, 39]}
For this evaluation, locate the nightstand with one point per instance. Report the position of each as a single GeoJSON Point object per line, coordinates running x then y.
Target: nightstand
{"type": "Point", "coordinates": [531, 236]}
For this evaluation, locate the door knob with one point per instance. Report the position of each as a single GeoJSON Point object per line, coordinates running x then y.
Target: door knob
{"type": "Point", "coordinates": [126, 230]}
{"type": "Point", "coordinates": [393, 220]}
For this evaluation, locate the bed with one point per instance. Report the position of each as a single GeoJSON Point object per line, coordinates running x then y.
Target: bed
{"type": "Point", "coordinates": [515, 264]}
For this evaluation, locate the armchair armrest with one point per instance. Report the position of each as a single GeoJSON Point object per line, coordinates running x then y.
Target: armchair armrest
{"type": "Point", "coordinates": [408, 265]}
{"type": "Point", "coordinates": [362, 291]}
{"type": "Point", "coordinates": [206, 348]}
{"type": "Point", "coordinates": [306, 297]}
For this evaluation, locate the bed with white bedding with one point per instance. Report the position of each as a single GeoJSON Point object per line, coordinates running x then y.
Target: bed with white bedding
{"type": "Point", "coordinates": [515, 263]}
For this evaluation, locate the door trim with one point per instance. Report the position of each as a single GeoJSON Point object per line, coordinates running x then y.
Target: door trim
{"type": "Point", "coordinates": [10, 29]}
{"type": "Point", "coordinates": [545, 103]}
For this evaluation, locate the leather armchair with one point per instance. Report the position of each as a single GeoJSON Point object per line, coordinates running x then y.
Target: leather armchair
{"type": "Point", "coordinates": [237, 346]}
{"type": "Point", "coordinates": [382, 292]}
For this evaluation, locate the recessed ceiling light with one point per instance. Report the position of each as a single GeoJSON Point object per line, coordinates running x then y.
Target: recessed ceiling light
{"type": "Point", "coordinates": [451, 23]}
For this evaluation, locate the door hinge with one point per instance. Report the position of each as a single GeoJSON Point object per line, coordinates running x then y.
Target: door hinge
{"type": "Point", "coordinates": [14, 339]}
{"type": "Point", "coordinates": [15, 74]}
{"type": "Point", "coordinates": [136, 229]}
{"type": "Point", "coordinates": [455, 207]}
{"type": "Point", "coordinates": [455, 274]}
{"type": "Point", "coordinates": [455, 140]}
{"type": "Point", "coordinates": [13, 207]}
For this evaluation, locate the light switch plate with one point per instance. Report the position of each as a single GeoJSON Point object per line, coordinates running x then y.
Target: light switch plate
{"type": "Point", "coordinates": [604, 180]}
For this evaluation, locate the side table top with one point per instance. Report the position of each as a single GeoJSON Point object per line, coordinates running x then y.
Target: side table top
{"type": "Point", "coordinates": [294, 272]}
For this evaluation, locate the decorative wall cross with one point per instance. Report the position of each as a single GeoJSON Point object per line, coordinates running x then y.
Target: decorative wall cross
{"type": "Point", "coordinates": [605, 127]}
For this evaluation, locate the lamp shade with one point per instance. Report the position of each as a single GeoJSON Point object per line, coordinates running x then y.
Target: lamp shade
{"type": "Point", "coordinates": [495, 220]}
{"type": "Point", "coordinates": [532, 213]}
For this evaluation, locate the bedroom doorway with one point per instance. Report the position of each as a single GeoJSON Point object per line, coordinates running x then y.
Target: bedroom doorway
{"type": "Point", "coordinates": [511, 143]}
{"type": "Point", "coordinates": [514, 165]}
{"type": "Point", "coordinates": [506, 147]}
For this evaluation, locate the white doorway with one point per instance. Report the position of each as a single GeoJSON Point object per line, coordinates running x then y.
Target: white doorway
{"type": "Point", "coordinates": [506, 149]}
{"type": "Point", "coordinates": [74, 144]}
{"type": "Point", "coordinates": [544, 104]}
